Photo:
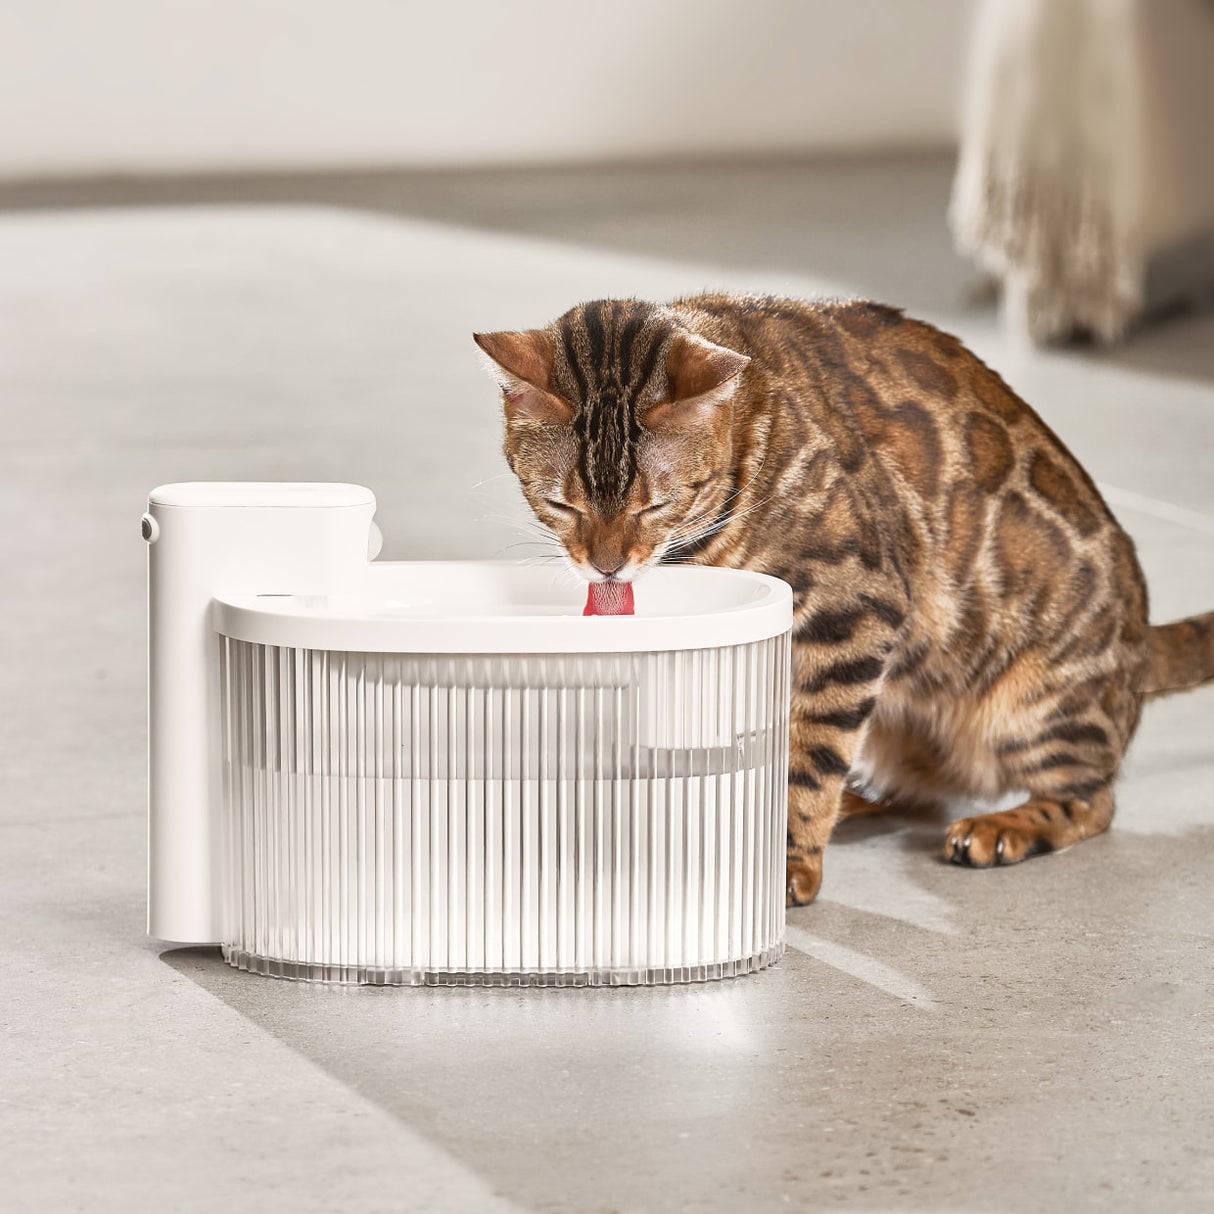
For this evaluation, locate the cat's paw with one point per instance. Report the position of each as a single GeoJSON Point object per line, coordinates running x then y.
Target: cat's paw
{"type": "Point", "coordinates": [804, 879]}
{"type": "Point", "coordinates": [993, 839]}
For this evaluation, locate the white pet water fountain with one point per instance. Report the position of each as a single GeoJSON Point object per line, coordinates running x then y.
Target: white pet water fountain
{"type": "Point", "coordinates": [442, 773]}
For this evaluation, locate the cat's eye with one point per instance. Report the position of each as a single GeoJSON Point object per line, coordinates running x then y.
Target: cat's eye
{"type": "Point", "coordinates": [655, 508]}
{"type": "Point", "coordinates": [561, 507]}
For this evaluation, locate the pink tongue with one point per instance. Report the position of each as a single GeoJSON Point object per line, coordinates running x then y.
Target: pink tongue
{"type": "Point", "coordinates": [609, 598]}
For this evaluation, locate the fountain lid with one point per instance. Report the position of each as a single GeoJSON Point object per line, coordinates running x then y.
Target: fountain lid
{"type": "Point", "coordinates": [498, 607]}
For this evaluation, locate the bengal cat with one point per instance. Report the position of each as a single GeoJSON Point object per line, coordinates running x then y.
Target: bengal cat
{"type": "Point", "coordinates": [969, 617]}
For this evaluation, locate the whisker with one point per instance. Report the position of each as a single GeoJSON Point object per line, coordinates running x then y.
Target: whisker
{"type": "Point", "coordinates": [497, 476]}
{"type": "Point", "coordinates": [722, 520]}
{"type": "Point", "coordinates": [691, 523]}
{"type": "Point", "coordinates": [679, 540]}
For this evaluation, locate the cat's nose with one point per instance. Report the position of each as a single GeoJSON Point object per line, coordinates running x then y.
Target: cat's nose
{"type": "Point", "coordinates": [612, 571]}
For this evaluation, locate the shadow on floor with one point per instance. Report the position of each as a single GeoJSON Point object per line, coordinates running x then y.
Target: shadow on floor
{"type": "Point", "coordinates": [755, 1092]}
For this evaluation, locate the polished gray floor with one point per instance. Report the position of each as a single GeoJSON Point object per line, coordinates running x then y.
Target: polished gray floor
{"type": "Point", "coordinates": [1038, 1038]}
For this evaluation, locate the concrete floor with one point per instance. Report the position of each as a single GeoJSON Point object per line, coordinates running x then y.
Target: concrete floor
{"type": "Point", "coordinates": [1028, 1039]}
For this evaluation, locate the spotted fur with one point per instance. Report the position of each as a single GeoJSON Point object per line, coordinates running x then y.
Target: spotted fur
{"type": "Point", "coordinates": [969, 617]}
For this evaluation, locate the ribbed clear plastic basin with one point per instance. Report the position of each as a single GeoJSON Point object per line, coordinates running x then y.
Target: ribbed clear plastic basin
{"type": "Point", "coordinates": [451, 776]}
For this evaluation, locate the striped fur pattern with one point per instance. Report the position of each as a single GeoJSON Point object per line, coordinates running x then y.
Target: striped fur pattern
{"type": "Point", "coordinates": [969, 617]}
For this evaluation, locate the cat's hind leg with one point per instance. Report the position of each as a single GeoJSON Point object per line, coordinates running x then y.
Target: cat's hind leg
{"type": "Point", "coordinates": [1042, 824]}
{"type": "Point", "coordinates": [1055, 731]}
{"type": "Point", "coordinates": [1067, 769]}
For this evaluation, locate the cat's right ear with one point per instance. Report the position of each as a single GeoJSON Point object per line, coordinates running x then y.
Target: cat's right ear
{"type": "Point", "coordinates": [521, 365]}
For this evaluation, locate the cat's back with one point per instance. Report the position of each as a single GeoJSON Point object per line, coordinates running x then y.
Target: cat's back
{"type": "Point", "coordinates": [923, 403]}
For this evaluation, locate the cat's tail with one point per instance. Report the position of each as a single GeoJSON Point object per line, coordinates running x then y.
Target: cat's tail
{"type": "Point", "coordinates": [1180, 655]}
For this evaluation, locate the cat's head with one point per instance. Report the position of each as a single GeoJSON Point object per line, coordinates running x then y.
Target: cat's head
{"type": "Point", "coordinates": [618, 428]}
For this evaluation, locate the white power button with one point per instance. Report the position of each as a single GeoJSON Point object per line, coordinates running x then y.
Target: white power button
{"type": "Point", "coordinates": [150, 528]}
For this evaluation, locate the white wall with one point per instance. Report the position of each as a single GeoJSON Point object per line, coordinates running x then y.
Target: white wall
{"type": "Point", "coordinates": [99, 86]}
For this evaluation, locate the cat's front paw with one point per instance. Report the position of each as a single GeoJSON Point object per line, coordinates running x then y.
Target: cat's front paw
{"type": "Point", "coordinates": [804, 879]}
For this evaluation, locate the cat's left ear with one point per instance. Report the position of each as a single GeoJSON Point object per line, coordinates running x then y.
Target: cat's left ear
{"type": "Point", "coordinates": [702, 377]}
{"type": "Point", "coordinates": [521, 364]}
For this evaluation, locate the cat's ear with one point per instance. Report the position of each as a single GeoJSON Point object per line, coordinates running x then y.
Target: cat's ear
{"type": "Point", "coordinates": [521, 365]}
{"type": "Point", "coordinates": [702, 377]}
